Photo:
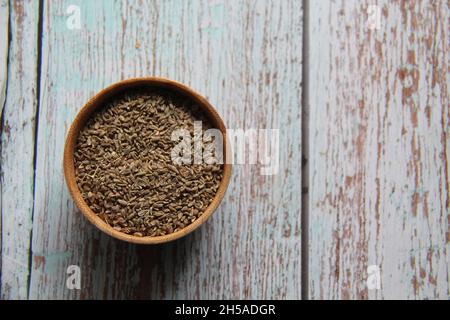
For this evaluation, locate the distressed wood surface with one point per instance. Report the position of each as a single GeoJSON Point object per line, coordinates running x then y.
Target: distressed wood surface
{"type": "Point", "coordinates": [245, 57]}
{"type": "Point", "coordinates": [379, 148]}
{"type": "Point", "coordinates": [4, 45]}
{"type": "Point", "coordinates": [17, 144]}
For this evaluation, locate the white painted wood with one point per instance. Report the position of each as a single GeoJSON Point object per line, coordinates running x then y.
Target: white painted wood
{"type": "Point", "coordinates": [245, 56]}
{"type": "Point", "coordinates": [379, 149]}
{"type": "Point", "coordinates": [379, 144]}
{"type": "Point", "coordinates": [4, 44]}
{"type": "Point", "coordinates": [17, 146]}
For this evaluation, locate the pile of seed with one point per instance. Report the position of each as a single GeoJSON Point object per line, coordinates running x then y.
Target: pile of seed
{"type": "Point", "coordinates": [124, 168]}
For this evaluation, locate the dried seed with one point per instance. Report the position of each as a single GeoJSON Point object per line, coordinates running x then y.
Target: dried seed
{"type": "Point", "coordinates": [125, 170]}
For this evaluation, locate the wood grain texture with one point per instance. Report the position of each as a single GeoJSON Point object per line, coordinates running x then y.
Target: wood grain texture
{"type": "Point", "coordinates": [4, 45]}
{"type": "Point", "coordinates": [17, 145]}
{"type": "Point", "coordinates": [379, 149]}
{"type": "Point", "coordinates": [245, 57]}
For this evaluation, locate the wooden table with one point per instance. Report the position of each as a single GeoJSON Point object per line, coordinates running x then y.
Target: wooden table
{"type": "Point", "coordinates": [358, 89]}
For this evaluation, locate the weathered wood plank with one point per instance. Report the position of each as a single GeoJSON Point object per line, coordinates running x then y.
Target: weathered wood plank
{"type": "Point", "coordinates": [379, 148]}
{"type": "Point", "coordinates": [17, 144]}
{"type": "Point", "coordinates": [245, 56]}
{"type": "Point", "coordinates": [4, 45]}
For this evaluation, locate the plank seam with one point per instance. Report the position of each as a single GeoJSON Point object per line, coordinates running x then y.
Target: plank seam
{"type": "Point", "coordinates": [36, 127]}
{"type": "Point", "coordinates": [305, 155]}
{"type": "Point", "coordinates": [1, 147]}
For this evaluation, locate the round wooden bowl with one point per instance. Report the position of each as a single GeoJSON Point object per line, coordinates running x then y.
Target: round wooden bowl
{"type": "Point", "coordinates": [99, 101]}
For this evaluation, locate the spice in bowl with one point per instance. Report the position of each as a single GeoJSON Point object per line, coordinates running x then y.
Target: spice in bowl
{"type": "Point", "coordinates": [125, 170]}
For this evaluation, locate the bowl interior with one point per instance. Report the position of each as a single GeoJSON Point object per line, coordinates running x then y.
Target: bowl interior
{"type": "Point", "coordinates": [97, 102]}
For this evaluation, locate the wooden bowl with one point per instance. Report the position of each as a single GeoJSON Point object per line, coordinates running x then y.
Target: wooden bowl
{"type": "Point", "coordinates": [99, 101]}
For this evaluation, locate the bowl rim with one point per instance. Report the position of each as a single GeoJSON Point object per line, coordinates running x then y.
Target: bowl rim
{"type": "Point", "coordinates": [97, 101]}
